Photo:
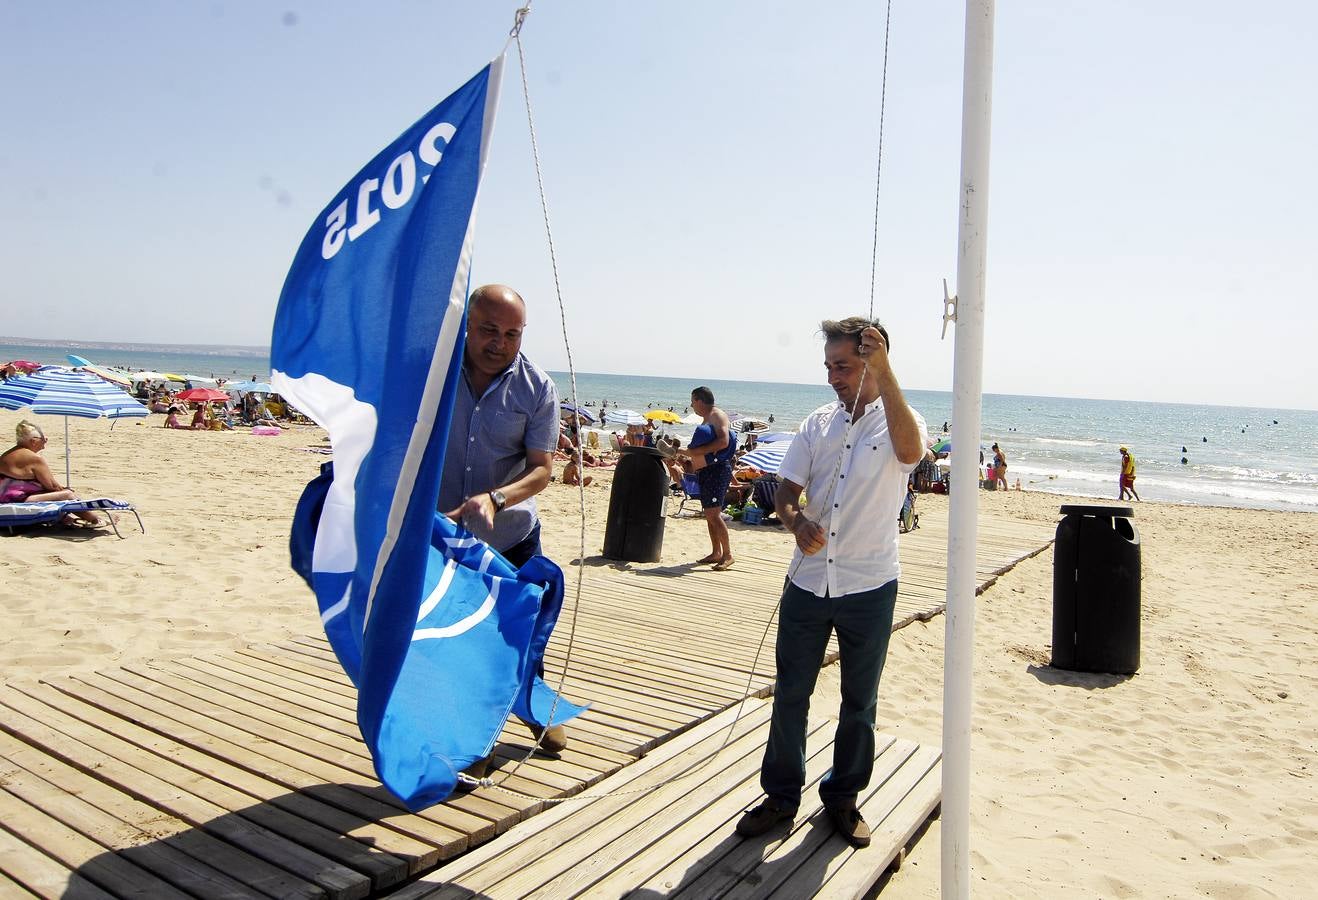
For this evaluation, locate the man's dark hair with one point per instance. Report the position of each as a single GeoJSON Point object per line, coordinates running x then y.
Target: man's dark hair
{"type": "Point", "coordinates": [851, 327]}
{"type": "Point", "coordinates": [703, 394]}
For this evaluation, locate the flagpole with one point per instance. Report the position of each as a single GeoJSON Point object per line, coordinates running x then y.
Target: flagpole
{"type": "Point", "coordinates": [967, 386]}
{"type": "Point", "coordinates": [67, 479]}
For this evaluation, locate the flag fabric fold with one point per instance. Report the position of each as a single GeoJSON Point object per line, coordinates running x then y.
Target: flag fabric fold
{"type": "Point", "coordinates": [440, 635]}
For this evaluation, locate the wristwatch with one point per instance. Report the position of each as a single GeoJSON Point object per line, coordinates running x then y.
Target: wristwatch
{"type": "Point", "coordinates": [500, 501]}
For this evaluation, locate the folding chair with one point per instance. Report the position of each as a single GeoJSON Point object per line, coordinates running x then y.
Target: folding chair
{"type": "Point", "coordinates": [15, 515]}
{"type": "Point", "coordinates": [690, 491]}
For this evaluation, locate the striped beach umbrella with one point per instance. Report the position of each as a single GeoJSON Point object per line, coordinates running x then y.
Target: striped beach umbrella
{"type": "Point", "coordinates": [767, 457]}
{"type": "Point", "coordinates": [57, 391]}
{"type": "Point", "coordinates": [623, 417]}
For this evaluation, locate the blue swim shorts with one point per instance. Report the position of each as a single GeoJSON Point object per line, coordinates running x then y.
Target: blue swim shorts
{"type": "Point", "coordinates": [714, 481]}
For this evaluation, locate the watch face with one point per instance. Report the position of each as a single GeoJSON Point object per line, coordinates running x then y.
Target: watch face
{"type": "Point", "coordinates": [498, 498]}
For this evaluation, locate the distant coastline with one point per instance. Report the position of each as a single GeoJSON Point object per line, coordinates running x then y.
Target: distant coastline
{"type": "Point", "coordinates": [239, 350]}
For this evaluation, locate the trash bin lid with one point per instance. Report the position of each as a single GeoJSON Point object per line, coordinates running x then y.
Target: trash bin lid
{"type": "Point", "coordinates": [629, 450]}
{"type": "Point", "coordinates": [1106, 512]}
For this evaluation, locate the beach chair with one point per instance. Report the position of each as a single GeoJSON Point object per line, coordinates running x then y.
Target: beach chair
{"type": "Point", "coordinates": [16, 515]}
{"type": "Point", "coordinates": [690, 491]}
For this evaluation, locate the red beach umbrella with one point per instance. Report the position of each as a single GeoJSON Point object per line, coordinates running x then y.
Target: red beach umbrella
{"type": "Point", "coordinates": [201, 395]}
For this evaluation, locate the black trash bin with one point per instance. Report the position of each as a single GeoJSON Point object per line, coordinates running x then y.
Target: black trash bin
{"type": "Point", "coordinates": [1096, 590]}
{"type": "Point", "coordinates": [635, 527]}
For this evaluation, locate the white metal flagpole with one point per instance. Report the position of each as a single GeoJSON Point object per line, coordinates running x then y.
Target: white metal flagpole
{"type": "Point", "coordinates": [967, 384]}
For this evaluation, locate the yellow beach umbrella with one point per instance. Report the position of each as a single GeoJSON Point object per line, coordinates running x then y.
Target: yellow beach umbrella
{"type": "Point", "coordinates": [663, 415]}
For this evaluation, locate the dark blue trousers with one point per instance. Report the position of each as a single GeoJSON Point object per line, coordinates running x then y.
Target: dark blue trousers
{"type": "Point", "coordinates": [863, 623]}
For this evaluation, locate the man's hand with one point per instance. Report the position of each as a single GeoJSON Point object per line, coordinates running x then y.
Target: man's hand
{"type": "Point", "coordinates": [809, 536]}
{"type": "Point", "coordinates": [873, 350]}
{"type": "Point", "coordinates": [480, 508]}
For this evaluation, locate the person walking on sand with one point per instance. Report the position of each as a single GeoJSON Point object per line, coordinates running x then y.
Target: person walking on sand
{"type": "Point", "coordinates": [1127, 476]}
{"type": "Point", "coordinates": [501, 444]}
{"type": "Point", "coordinates": [852, 460]}
{"type": "Point", "coordinates": [711, 450]}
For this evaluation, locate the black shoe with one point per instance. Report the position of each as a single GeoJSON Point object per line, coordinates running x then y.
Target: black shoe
{"type": "Point", "coordinates": [762, 818]}
{"type": "Point", "coordinates": [850, 824]}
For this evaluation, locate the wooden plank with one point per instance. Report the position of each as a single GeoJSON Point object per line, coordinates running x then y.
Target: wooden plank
{"type": "Point", "coordinates": [155, 856]}
{"type": "Point", "coordinates": [41, 875]}
{"type": "Point", "coordinates": [451, 872]}
{"type": "Point", "coordinates": [810, 855]}
{"type": "Point", "coordinates": [571, 857]}
{"type": "Point", "coordinates": [387, 856]}
{"type": "Point", "coordinates": [164, 829]}
{"type": "Point", "coordinates": [246, 749]}
{"type": "Point", "coordinates": [894, 831]}
{"type": "Point", "coordinates": [73, 742]}
{"type": "Point", "coordinates": [80, 854]}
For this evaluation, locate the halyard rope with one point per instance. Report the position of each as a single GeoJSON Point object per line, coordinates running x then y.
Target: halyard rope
{"type": "Point", "coordinates": [878, 173]}
{"type": "Point", "coordinates": [515, 36]}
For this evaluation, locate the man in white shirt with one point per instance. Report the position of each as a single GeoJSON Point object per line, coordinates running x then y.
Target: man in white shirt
{"type": "Point", "coordinates": [852, 459]}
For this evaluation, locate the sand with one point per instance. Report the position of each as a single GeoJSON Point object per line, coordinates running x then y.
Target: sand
{"type": "Point", "coordinates": [1194, 777]}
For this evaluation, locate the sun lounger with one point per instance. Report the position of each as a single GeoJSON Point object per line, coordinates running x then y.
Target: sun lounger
{"type": "Point", "coordinates": [15, 515]}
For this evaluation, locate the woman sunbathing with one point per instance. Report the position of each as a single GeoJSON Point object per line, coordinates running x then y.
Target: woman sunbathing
{"type": "Point", "coordinates": [26, 478]}
{"type": "Point", "coordinates": [171, 420]}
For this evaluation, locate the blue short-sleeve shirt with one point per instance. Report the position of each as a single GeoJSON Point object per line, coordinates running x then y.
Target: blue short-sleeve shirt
{"type": "Point", "coordinates": [488, 440]}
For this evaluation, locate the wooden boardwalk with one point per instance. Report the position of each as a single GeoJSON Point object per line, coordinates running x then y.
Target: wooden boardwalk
{"type": "Point", "coordinates": [242, 773]}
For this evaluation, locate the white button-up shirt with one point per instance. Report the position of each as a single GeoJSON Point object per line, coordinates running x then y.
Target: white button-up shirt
{"type": "Point", "coordinates": [858, 508]}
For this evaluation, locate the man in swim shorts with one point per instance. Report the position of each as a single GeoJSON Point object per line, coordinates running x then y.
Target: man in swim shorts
{"type": "Point", "coordinates": [1127, 476]}
{"type": "Point", "coordinates": [714, 444]}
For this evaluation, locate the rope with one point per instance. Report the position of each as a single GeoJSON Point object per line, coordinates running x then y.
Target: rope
{"type": "Point", "coordinates": [515, 36]}
{"type": "Point", "coordinates": [878, 174]}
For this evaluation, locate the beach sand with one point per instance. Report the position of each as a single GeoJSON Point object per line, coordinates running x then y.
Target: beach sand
{"type": "Point", "coordinates": [1194, 777]}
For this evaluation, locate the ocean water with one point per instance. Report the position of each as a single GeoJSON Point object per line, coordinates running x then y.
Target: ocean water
{"type": "Point", "coordinates": [1234, 456]}
{"type": "Point", "coordinates": [211, 362]}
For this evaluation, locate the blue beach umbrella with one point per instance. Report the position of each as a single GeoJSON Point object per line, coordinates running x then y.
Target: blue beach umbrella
{"type": "Point", "coordinates": [767, 458]}
{"type": "Point", "coordinates": [57, 391]}
{"type": "Point", "coordinates": [248, 387]}
{"type": "Point", "coordinates": [580, 412]}
{"type": "Point", "coordinates": [109, 375]}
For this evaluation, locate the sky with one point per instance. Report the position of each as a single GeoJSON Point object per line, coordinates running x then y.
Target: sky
{"type": "Point", "coordinates": [710, 172]}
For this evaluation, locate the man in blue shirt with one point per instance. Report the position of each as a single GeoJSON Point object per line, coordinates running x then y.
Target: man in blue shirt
{"type": "Point", "coordinates": [502, 438]}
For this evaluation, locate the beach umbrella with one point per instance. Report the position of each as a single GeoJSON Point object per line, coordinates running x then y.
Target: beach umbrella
{"type": "Point", "coordinates": [692, 419]}
{"type": "Point", "coordinates": [194, 380]}
{"type": "Point", "coordinates": [766, 458]}
{"type": "Point", "coordinates": [100, 371]}
{"type": "Point", "coordinates": [58, 391]}
{"type": "Point", "coordinates": [663, 415]}
{"type": "Point", "coordinates": [568, 410]}
{"type": "Point", "coordinates": [147, 375]}
{"type": "Point", "coordinates": [201, 395]}
{"type": "Point", "coordinates": [248, 387]}
{"type": "Point", "coordinates": [170, 376]}
{"type": "Point", "coordinates": [942, 446]}
{"type": "Point", "coordinates": [773, 437]}
{"type": "Point", "coordinates": [623, 417]}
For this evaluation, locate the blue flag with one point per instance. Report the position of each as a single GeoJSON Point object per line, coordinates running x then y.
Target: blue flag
{"type": "Point", "coordinates": [440, 635]}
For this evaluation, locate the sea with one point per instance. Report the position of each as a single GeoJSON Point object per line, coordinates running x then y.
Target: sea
{"type": "Point", "coordinates": [1247, 457]}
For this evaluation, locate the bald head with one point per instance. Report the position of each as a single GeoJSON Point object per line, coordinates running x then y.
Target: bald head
{"type": "Point", "coordinates": [496, 317]}
{"type": "Point", "coordinates": [494, 297]}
